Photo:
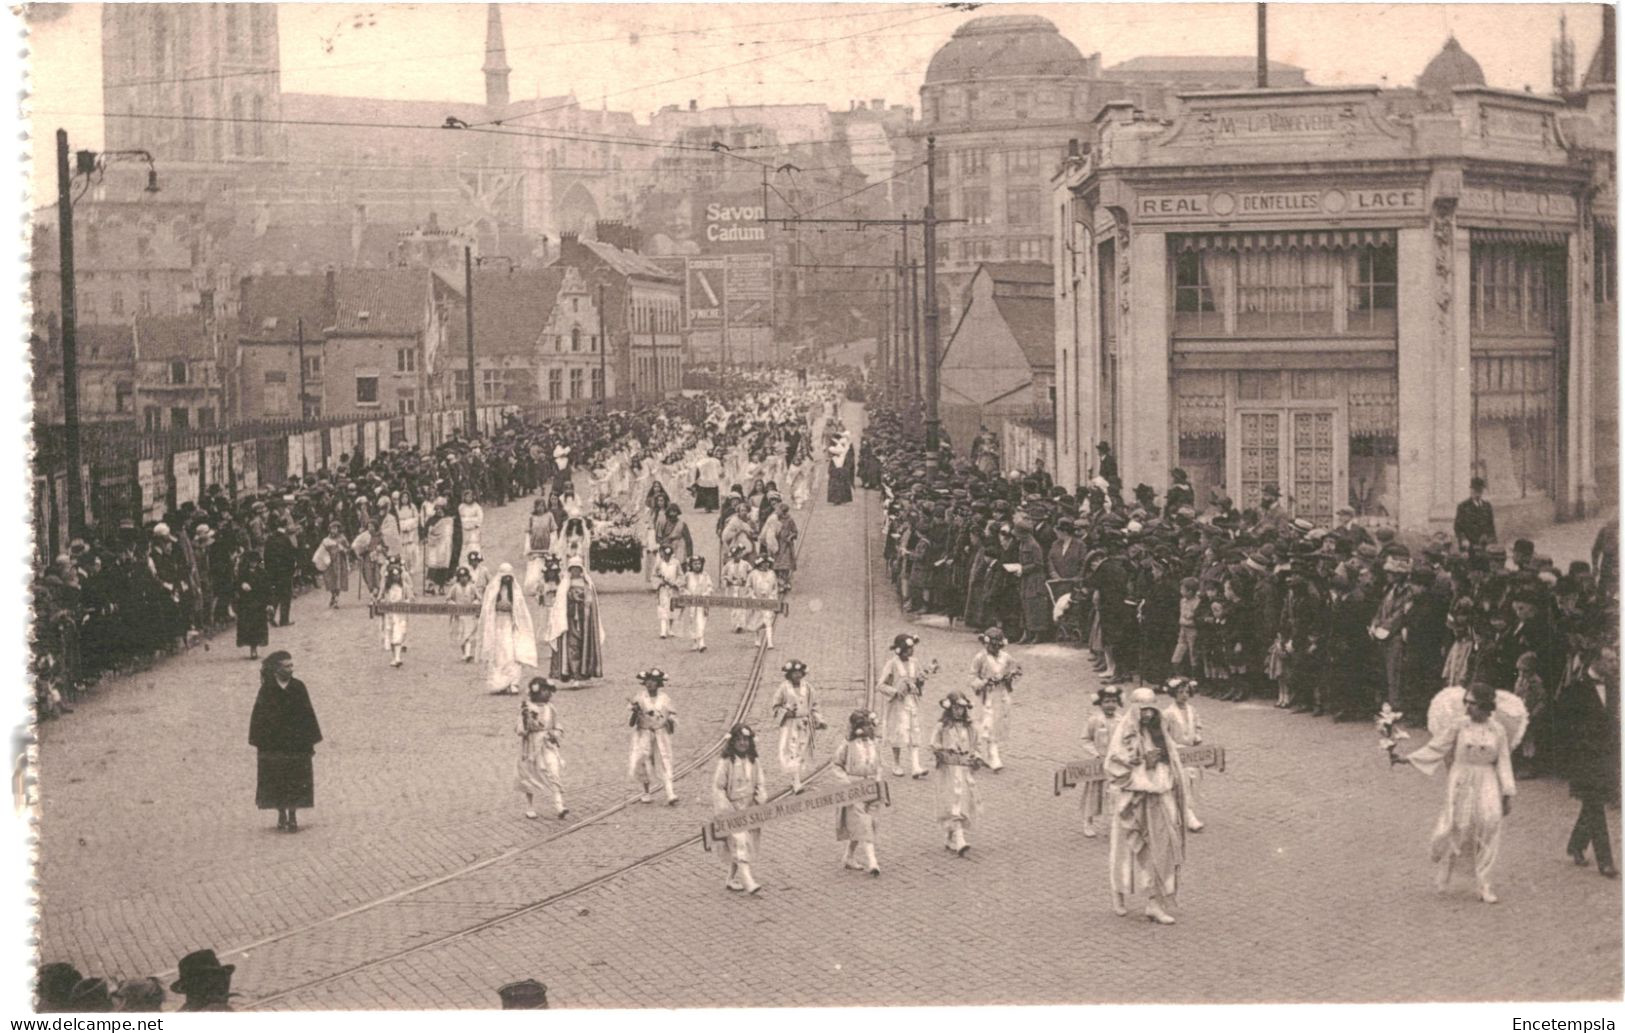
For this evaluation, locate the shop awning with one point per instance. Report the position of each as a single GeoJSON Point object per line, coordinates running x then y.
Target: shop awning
{"type": "Point", "coordinates": [1546, 238]}
{"type": "Point", "coordinates": [1300, 240]}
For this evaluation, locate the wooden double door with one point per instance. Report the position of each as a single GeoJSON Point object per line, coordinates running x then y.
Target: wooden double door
{"type": "Point", "coordinates": [1302, 450]}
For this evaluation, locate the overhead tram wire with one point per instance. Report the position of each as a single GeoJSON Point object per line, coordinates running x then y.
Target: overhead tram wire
{"type": "Point", "coordinates": [522, 48]}
{"type": "Point", "coordinates": [722, 68]}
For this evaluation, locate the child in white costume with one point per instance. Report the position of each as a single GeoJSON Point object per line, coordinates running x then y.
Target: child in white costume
{"type": "Point", "coordinates": [955, 747]}
{"type": "Point", "coordinates": [540, 736]}
{"type": "Point", "coordinates": [993, 676]}
{"type": "Point", "coordinates": [668, 582]}
{"type": "Point", "coordinates": [736, 785]}
{"type": "Point", "coordinates": [464, 627]}
{"type": "Point", "coordinates": [735, 582]}
{"type": "Point", "coordinates": [653, 722]}
{"type": "Point", "coordinates": [397, 589]}
{"type": "Point", "coordinates": [697, 582]}
{"type": "Point", "coordinates": [1097, 736]}
{"type": "Point", "coordinates": [901, 684]}
{"type": "Point", "coordinates": [796, 712]}
{"type": "Point", "coordinates": [764, 584]}
{"type": "Point", "coordinates": [1185, 728]}
{"type": "Point", "coordinates": [859, 758]}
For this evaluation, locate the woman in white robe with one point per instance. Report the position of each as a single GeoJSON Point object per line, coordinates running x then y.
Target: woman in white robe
{"type": "Point", "coordinates": [1478, 790]}
{"type": "Point", "coordinates": [507, 640]}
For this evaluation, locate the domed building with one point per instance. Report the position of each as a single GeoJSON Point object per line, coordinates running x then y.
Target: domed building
{"type": "Point", "coordinates": [1450, 67]}
{"type": "Point", "coordinates": [1002, 97]}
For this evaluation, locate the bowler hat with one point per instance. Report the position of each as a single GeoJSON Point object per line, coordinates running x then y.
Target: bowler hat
{"type": "Point", "coordinates": [196, 969]}
{"type": "Point", "coordinates": [525, 995]}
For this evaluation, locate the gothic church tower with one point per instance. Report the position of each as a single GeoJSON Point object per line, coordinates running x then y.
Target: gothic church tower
{"type": "Point", "coordinates": [215, 66]}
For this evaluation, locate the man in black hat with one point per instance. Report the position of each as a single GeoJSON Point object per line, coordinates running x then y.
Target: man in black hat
{"type": "Point", "coordinates": [1475, 517]}
{"type": "Point", "coordinates": [204, 982]}
{"type": "Point", "coordinates": [1108, 463]}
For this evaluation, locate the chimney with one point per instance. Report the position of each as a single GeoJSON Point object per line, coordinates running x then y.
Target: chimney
{"type": "Point", "coordinates": [330, 300]}
{"type": "Point", "coordinates": [878, 104]}
{"type": "Point", "coordinates": [693, 105]}
{"type": "Point", "coordinates": [434, 222]}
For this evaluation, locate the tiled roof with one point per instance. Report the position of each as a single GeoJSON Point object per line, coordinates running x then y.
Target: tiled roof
{"type": "Point", "coordinates": [381, 301]}
{"type": "Point", "coordinates": [272, 306]}
{"type": "Point", "coordinates": [1032, 324]}
{"type": "Point", "coordinates": [105, 342]}
{"type": "Point", "coordinates": [1020, 272]}
{"type": "Point", "coordinates": [629, 263]}
{"type": "Point", "coordinates": [510, 310]}
{"type": "Point", "coordinates": [173, 337]}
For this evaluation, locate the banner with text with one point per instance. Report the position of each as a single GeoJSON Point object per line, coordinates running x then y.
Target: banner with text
{"type": "Point", "coordinates": [865, 791]}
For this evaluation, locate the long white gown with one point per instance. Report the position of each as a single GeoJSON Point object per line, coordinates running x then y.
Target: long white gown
{"type": "Point", "coordinates": [507, 640]}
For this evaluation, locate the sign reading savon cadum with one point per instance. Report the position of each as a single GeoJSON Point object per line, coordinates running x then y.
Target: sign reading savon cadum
{"type": "Point", "coordinates": [864, 791]}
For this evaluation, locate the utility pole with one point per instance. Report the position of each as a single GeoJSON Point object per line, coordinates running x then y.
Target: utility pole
{"type": "Point", "coordinates": [70, 343]}
{"type": "Point", "coordinates": [900, 304]}
{"type": "Point", "coordinates": [603, 351]}
{"type": "Point", "coordinates": [304, 410]}
{"type": "Point", "coordinates": [911, 350]}
{"type": "Point", "coordinates": [1263, 48]}
{"type": "Point", "coordinates": [468, 311]}
{"type": "Point", "coordinates": [933, 426]}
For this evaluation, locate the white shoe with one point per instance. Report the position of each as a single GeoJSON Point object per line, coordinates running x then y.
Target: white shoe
{"type": "Point", "coordinates": [1486, 896]}
{"type": "Point", "coordinates": [897, 771]}
{"type": "Point", "coordinates": [1089, 832]}
{"type": "Point", "coordinates": [1158, 915]}
{"type": "Point", "coordinates": [1194, 826]}
{"type": "Point", "coordinates": [530, 814]}
{"type": "Point", "coordinates": [646, 798]}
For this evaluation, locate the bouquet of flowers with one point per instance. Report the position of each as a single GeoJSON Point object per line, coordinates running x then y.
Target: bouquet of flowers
{"type": "Point", "coordinates": [1389, 733]}
{"type": "Point", "coordinates": [617, 547]}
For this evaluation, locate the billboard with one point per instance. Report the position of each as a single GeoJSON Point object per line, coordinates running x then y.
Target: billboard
{"type": "Point", "coordinates": [707, 292]}
{"type": "Point", "coordinates": [750, 290]}
{"type": "Point", "coordinates": [731, 224]}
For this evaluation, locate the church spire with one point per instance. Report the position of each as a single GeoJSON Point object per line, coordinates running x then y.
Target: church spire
{"type": "Point", "coordinates": [496, 60]}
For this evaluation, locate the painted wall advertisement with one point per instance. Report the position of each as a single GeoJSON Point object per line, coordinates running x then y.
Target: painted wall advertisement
{"type": "Point", "coordinates": [707, 292]}
{"type": "Point", "coordinates": [750, 289]}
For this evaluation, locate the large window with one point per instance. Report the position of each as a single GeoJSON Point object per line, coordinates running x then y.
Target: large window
{"type": "Point", "coordinates": [491, 385]}
{"type": "Point", "coordinates": [366, 389]}
{"type": "Point", "coordinates": [973, 162]}
{"type": "Point", "coordinates": [576, 382]}
{"type": "Point", "coordinates": [598, 383]}
{"type": "Point", "coordinates": [1513, 403]}
{"type": "Point", "coordinates": [1373, 289]}
{"type": "Point", "coordinates": [977, 208]}
{"type": "Point", "coordinates": [406, 360]}
{"type": "Point", "coordinates": [1022, 206]}
{"type": "Point", "coordinates": [1518, 288]}
{"type": "Point", "coordinates": [555, 385]}
{"type": "Point", "coordinates": [1285, 290]}
{"type": "Point", "coordinates": [177, 371]}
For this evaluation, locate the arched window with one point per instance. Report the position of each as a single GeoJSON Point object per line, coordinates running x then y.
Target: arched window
{"type": "Point", "coordinates": [575, 339]}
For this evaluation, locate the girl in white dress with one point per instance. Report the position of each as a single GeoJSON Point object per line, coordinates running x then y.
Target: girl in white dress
{"type": "Point", "coordinates": [668, 582]}
{"type": "Point", "coordinates": [1097, 736]}
{"type": "Point", "coordinates": [397, 589]}
{"type": "Point", "coordinates": [796, 711]}
{"type": "Point", "coordinates": [1185, 728]}
{"type": "Point", "coordinates": [507, 637]}
{"type": "Point", "coordinates": [464, 626]}
{"type": "Point", "coordinates": [993, 677]}
{"type": "Point", "coordinates": [764, 584]}
{"type": "Point", "coordinates": [955, 747]}
{"type": "Point", "coordinates": [697, 582]}
{"type": "Point", "coordinates": [901, 684]}
{"type": "Point", "coordinates": [653, 722]}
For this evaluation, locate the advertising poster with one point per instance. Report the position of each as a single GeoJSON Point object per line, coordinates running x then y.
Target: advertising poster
{"type": "Point", "coordinates": [188, 471]}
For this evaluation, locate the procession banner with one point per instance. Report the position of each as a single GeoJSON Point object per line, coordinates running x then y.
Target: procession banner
{"type": "Point", "coordinates": [1083, 772]}
{"type": "Point", "coordinates": [437, 609]}
{"type": "Point", "coordinates": [188, 473]}
{"type": "Point", "coordinates": [866, 791]}
{"type": "Point", "coordinates": [731, 602]}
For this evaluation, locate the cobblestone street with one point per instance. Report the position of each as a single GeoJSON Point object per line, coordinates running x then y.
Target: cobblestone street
{"type": "Point", "coordinates": [1310, 884]}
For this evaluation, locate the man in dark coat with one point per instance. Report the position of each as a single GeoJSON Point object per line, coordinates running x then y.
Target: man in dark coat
{"type": "Point", "coordinates": [1475, 518]}
{"type": "Point", "coordinates": [284, 730]}
{"type": "Point", "coordinates": [281, 561]}
{"type": "Point", "coordinates": [1590, 709]}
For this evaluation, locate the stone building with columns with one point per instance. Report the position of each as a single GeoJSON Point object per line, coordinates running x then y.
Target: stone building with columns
{"type": "Point", "coordinates": [1362, 296]}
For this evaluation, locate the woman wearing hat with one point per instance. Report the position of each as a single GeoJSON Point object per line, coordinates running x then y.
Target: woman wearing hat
{"type": "Point", "coordinates": [252, 605]}
{"type": "Point", "coordinates": [540, 761]}
{"type": "Point", "coordinates": [653, 722]}
{"type": "Point", "coordinates": [736, 785]}
{"type": "Point", "coordinates": [855, 760]}
{"type": "Point", "coordinates": [577, 641]}
{"type": "Point", "coordinates": [507, 637]}
{"type": "Point", "coordinates": [1478, 789]}
{"type": "Point", "coordinates": [796, 710]}
{"type": "Point", "coordinates": [993, 678]}
{"type": "Point", "coordinates": [1148, 827]}
{"type": "Point", "coordinates": [763, 584]}
{"type": "Point", "coordinates": [901, 685]}
{"type": "Point", "coordinates": [284, 731]}
{"type": "Point", "coordinates": [956, 749]}
{"type": "Point", "coordinates": [332, 559]}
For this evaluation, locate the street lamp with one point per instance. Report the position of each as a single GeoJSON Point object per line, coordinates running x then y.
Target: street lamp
{"type": "Point", "coordinates": [86, 164]}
